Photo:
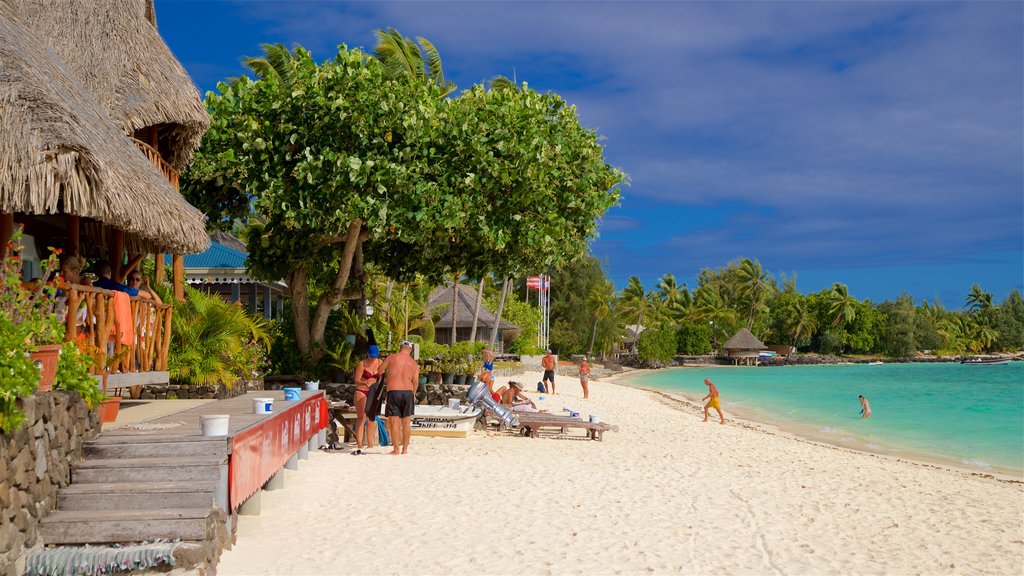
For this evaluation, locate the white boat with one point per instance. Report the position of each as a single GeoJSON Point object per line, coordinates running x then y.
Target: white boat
{"type": "Point", "coordinates": [876, 363]}
{"type": "Point", "coordinates": [444, 421]}
{"type": "Point", "coordinates": [985, 361]}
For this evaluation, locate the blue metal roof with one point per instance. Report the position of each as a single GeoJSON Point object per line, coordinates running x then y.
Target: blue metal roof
{"type": "Point", "coordinates": [218, 256]}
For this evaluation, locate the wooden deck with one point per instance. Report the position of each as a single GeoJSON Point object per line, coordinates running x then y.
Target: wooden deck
{"type": "Point", "coordinates": [161, 479]}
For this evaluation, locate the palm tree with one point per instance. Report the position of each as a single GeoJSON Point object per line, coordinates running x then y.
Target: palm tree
{"type": "Point", "coordinates": [711, 307]}
{"type": "Point", "coordinates": [753, 277]}
{"type": "Point", "coordinates": [841, 304]}
{"type": "Point", "coordinates": [476, 308]}
{"type": "Point", "coordinates": [803, 322]}
{"type": "Point", "coordinates": [274, 65]}
{"type": "Point", "coordinates": [419, 60]}
{"type": "Point", "coordinates": [978, 300]}
{"type": "Point", "coordinates": [636, 303]}
{"type": "Point", "coordinates": [599, 301]}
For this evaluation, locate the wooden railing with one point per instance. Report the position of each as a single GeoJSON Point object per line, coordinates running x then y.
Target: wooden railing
{"type": "Point", "coordinates": [166, 169]}
{"type": "Point", "coordinates": [92, 319]}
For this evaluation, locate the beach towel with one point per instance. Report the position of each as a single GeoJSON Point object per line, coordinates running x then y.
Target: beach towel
{"type": "Point", "coordinates": [374, 399]}
{"type": "Point", "coordinates": [382, 433]}
{"type": "Point", "coordinates": [123, 313]}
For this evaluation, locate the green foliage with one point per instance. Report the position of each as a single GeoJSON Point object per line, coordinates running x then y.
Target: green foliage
{"type": "Point", "coordinates": [897, 335]}
{"type": "Point", "coordinates": [18, 374]}
{"type": "Point", "coordinates": [524, 315]}
{"type": "Point", "coordinates": [657, 345]}
{"type": "Point", "coordinates": [213, 342]}
{"type": "Point", "coordinates": [73, 374]}
{"type": "Point", "coordinates": [693, 338]}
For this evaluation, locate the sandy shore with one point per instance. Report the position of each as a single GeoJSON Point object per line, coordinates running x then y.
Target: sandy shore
{"type": "Point", "coordinates": [666, 494]}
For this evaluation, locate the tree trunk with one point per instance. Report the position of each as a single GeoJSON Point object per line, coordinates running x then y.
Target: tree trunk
{"type": "Point", "coordinates": [593, 336]}
{"type": "Point", "coordinates": [296, 280]}
{"type": "Point", "coordinates": [389, 315]}
{"type": "Point", "coordinates": [501, 307]}
{"type": "Point", "coordinates": [314, 345]}
{"type": "Point", "coordinates": [476, 310]}
{"type": "Point", "coordinates": [405, 293]}
{"type": "Point", "coordinates": [455, 305]}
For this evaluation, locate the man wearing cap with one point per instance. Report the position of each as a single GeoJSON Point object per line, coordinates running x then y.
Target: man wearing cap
{"type": "Point", "coordinates": [548, 364]}
{"type": "Point", "coordinates": [401, 375]}
{"type": "Point", "coordinates": [585, 377]}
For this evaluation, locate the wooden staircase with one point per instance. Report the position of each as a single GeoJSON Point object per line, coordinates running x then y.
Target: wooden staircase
{"type": "Point", "coordinates": [134, 488]}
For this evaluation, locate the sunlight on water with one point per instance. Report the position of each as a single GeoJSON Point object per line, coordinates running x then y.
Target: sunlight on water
{"type": "Point", "coordinates": [973, 415]}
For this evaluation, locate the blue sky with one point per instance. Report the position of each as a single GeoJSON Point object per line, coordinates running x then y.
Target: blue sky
{"type": "Point", "coordinates": [877, 144]}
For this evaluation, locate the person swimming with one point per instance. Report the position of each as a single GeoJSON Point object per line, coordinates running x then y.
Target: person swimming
{"type": "Point", "coordinates": [865, 407]}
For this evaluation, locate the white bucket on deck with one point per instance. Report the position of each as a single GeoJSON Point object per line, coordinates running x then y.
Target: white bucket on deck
{"type": "Point", "coordinates": [595, 419]}
{"type": "Point", "coordinates": [262, 405]}
{"type": "Point", "coordinates": [453, 403]}
{"type": "Point", "coordinates": [312, 385]}
{"type": "Point", "coordinates": [214, 424]}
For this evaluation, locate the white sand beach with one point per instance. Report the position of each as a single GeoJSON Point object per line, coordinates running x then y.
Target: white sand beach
{"type": "Point", "coordinates": [667, 494]}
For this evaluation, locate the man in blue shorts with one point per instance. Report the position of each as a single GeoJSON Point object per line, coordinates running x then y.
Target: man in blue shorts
{"type": "Point", "coordinates": [401, 376]}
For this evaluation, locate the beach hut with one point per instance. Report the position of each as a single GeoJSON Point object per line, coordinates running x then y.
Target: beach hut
{"type": "Point", "coordinates": [221, 270]}
{"type": "Point", "coordinates": [466, 303]}
{"type": "Point", "coordinates": [98, 119]}
{"type": "Point", "coordinates": [743, 348]}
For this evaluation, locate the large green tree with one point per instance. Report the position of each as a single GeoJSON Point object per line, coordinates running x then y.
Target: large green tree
{"type": "Point", "coordinates": [344, 162]}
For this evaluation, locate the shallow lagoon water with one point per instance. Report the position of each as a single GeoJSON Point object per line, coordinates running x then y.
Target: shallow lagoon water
{"type": "Point", "coordinates": [969, 415]}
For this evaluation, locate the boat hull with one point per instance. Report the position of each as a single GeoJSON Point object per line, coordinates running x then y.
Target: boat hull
{"type": "Point", "coordinates": [443, 421]}
{"type": "Point", "coordinates": [985, 361]}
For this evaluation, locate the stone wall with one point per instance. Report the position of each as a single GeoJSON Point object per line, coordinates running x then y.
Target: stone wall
{"type": "Point", "coordinates": [187, 392]}
{"type": "Point", "coordinates": [35, 460]}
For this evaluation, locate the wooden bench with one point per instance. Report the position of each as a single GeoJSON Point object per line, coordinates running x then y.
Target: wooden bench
{"type": "Point", "coordinates": [530, 424]}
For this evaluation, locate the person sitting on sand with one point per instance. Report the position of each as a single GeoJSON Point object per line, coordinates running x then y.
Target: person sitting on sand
{"type": "Point", "coordinates": [488, 358]}
{"type": "Point", "coordinates": [865, 408]}
{"type": "Point", "coordinates": [713, 402]}
{"type": "Point", "coordinates": [513, 396]}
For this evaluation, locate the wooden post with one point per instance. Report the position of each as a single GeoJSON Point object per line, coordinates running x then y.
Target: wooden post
{"type": "Point", "coordinates": [158, 269]}
{"type": "Point", "coordinates": [73, 222]}
{"type": "Point", "coordinates": [117, 253]}
{"type": "Point", "coordinates": [6, 229]}
{"type": "Point", "coordinates": [178, 265]}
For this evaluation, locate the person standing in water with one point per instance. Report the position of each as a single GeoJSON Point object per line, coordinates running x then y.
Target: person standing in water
{"type": "Point", "coordinates": [865, 407]}
{"type": "Point", "coordinates": [713, 402]}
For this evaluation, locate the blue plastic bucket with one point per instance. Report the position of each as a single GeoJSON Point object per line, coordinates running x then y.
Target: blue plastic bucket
{"type": "Point", "coordinates": [291, 394]}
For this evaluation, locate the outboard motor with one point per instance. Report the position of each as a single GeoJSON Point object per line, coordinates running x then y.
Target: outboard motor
{"type": "Point", "coordinates": [479, 397]}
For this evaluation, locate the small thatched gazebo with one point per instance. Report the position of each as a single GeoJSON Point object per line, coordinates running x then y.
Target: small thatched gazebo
{"type": "Point", "coordinates": [743, 347]}
{"type": "Point", "coordinates": [466, 304]}
{"type": "Point", "coordinates": [97, 119]}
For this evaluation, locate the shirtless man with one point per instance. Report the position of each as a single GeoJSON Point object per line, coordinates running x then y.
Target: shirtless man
{"type": "Point", "coordinates": [401, 375]}
{"type": "Point", "coordinates": [585, 378]}
{"type": "Point", "coordinates": [713, 403]}
{"type": "Point", "coordinates": [548, 364]}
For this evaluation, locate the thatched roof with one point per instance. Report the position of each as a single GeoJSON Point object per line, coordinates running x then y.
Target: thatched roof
{"type": "Point", "coordinates": [466, 305]}
{"type": "Point", "coordinates": [113, 50]}
{"type": "Point", "coordinates": [743, 340]}
{"type": "Point", "coordinates": [61, 151]}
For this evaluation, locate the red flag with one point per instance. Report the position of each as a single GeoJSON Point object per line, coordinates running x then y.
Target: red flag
{"type": "Point", "coordinates": [533, 282]}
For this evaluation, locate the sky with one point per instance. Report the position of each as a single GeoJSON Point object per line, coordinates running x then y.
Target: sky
{"type": "Point", "coordinates": [876, 144]}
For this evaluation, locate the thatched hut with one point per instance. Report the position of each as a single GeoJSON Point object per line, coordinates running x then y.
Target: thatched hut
{"type": "Point", "coordinates": [743, 347]}
{"type": "Point", "coordinates": [98, 118]}
{"type": "Point", "coordinates": [486, 324]}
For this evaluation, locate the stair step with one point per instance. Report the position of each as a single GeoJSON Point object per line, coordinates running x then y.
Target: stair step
{"type": "Point", "coordinates": [103, 526]}
{"type": "Point", "coordinates": [111, 450]}
{"type": "Point", "coordinates": [136, 496]}
{"type": "Point", "coordinates": [173, 469]}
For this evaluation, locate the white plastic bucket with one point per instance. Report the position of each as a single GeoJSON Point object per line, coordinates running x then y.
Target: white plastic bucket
{"type": "Point", "coordinates": [595, 419]}
{"type": "Point", "coordinates": [312, 385]}
{"type": "Point", "coordinates": [291, 394]}
{"type": "Point", "coordinates": [453, 403]}
{"type": "Point", "coordinates": [262, 405]}
{"type": "Point", "coordinates": [214, 424]}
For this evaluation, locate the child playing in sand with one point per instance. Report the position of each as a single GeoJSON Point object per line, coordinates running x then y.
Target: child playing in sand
{"type": "Point", "coordinates": [713, 403]}
{"type": "Point", "coordinates": [865, 408]}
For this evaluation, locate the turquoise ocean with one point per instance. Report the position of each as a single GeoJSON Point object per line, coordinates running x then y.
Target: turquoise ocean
{"type": "Point", "coordinates": [969, 416]}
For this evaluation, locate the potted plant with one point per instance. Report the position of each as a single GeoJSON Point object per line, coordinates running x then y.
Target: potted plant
{"type": "Point", "coordinates": [33, 309]}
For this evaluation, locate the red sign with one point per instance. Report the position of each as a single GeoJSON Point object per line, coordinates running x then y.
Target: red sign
{"type": "Point", "coordinates": [259, 451]}
{"type": "Point", "coordinates": [533, 282]}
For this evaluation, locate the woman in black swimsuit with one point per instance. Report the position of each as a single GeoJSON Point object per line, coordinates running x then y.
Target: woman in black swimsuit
{"type": "Point", "coordinates": [365, 376]}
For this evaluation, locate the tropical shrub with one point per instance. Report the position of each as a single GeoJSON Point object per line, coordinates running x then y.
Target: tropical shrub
{"type": "Point", "coordinates": [213, 342]}
{"type": "Point", "coordinates": [73, 374]}
{"type": "Point", "coordinates": [693, 338]}
{"type": "Point", "coordinates": [656, 345]}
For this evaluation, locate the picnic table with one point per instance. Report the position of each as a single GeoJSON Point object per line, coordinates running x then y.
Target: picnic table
{"type": "Point", "coordinates": [530, 424]}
